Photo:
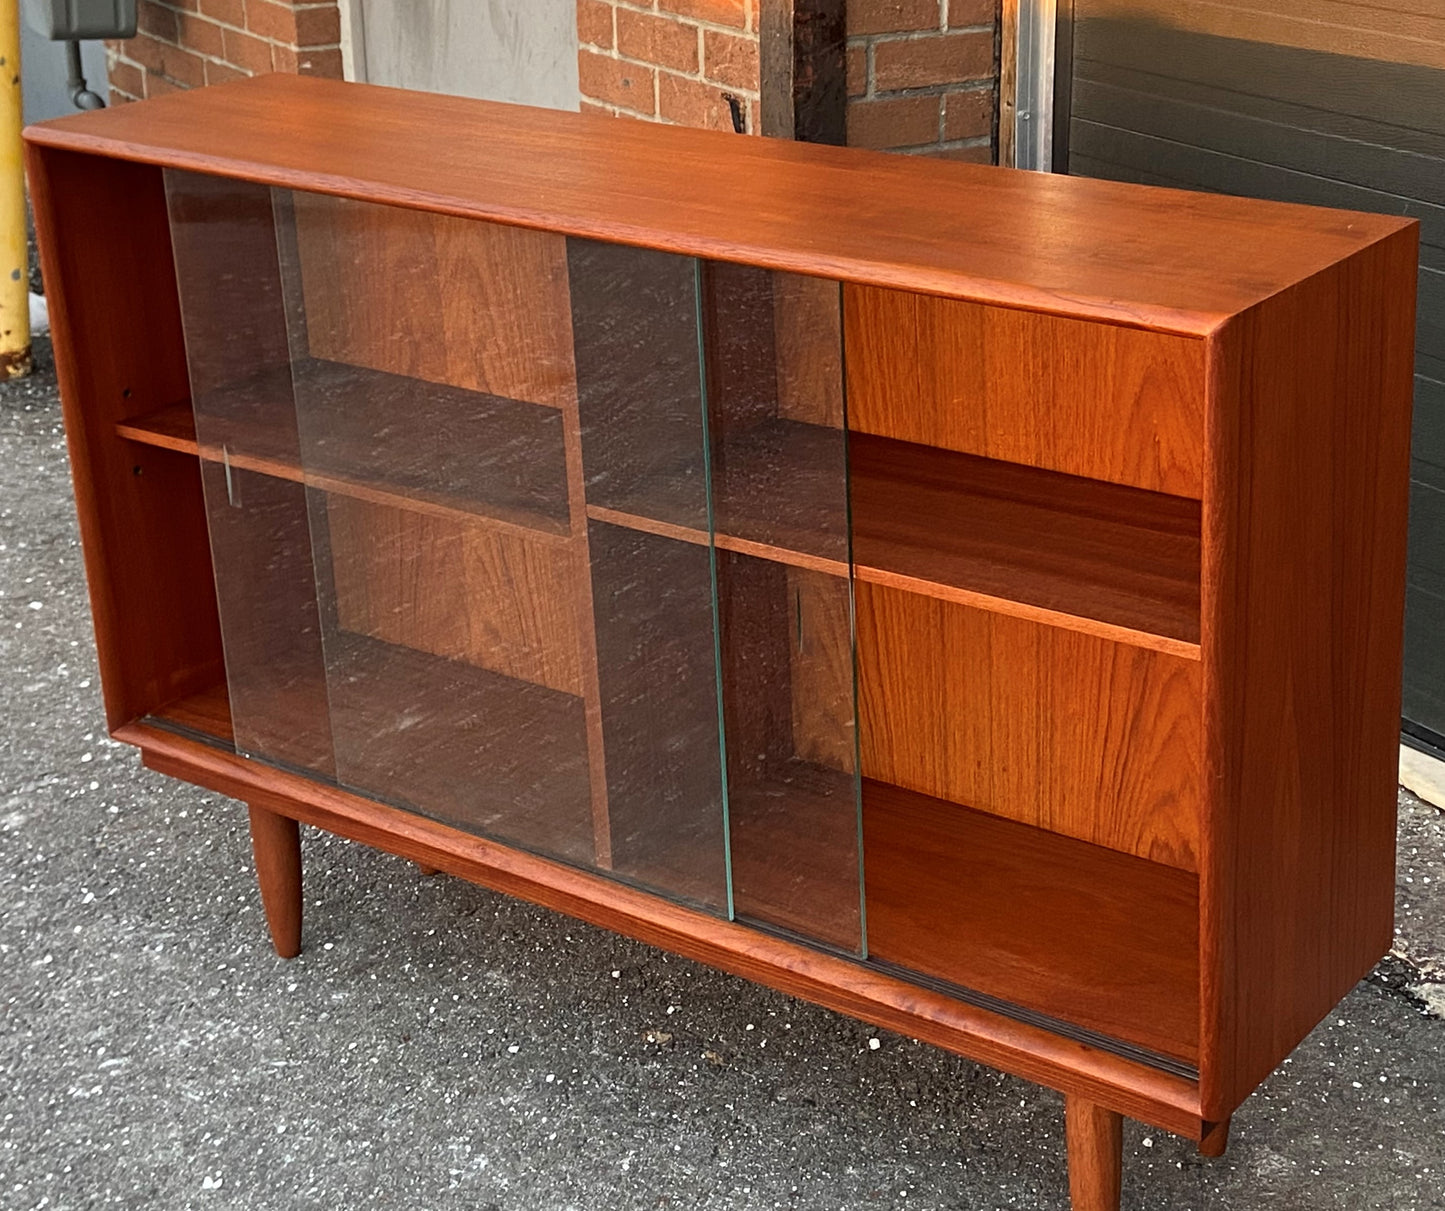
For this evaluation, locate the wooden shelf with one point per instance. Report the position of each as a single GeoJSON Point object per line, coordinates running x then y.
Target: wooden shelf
{"type": "Point", "coordinates": [794, 842]}
{"type": "Point", "coordinates": [1104, 940]}
{"type": "Point", "coordinates": [1118, 562]}
{"type": "Point", "coordinates": [386, 438]}
{"type": "Point", "coordinates": [1115, 561]}
{"type": "Point", "coordinates": [1046, 923]}
{"type": "Point", "coordinates": [474, 749]}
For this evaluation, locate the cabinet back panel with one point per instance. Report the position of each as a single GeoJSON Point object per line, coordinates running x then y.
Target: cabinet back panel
{"type": "Point", "coordinates": [475, 305]}
{"type": "Point", "coordinates": [497, 599]}
{"type": "Point", "coordinates": [1110, 403]}
{"type": "Point", "coordinates": [1056, 728]}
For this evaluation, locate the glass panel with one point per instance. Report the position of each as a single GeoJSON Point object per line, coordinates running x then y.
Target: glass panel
{"type": "Point", "coordinates": [778, 467]}
{"type": "Point", "coordinates": [639, 386]}
{"type": "Point", "coordinates": [512, 530]}
{"type": "Point", "coordinates": [433, 390]}
{"type": "Point", "coordinates": [231, 308]}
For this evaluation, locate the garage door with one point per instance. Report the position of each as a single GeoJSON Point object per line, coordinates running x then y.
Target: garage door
{"type": "Point", "coordinates": [1333, 102]}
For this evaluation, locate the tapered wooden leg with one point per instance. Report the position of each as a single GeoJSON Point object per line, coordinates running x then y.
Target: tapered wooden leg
{"type": "Point", "coordinates": [1215, 1139]}
{"type": "Point", "coordinates": [276, 843]}
{"type": "Point", "coordinates": [1096, 1155]}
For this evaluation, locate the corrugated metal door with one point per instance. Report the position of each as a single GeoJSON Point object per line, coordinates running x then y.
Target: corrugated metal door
{"type": "Point", "coordinates": [1335, 102]}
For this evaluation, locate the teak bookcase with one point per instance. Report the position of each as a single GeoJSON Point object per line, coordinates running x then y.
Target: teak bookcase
{"type": "Point", "coordinates": [967, 599]}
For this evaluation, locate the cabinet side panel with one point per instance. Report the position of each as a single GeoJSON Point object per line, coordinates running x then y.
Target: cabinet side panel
{"type": "Point", "coordinates": [1304, 530]}
{"type": "Point", "coordinates": [1110, 403]}
{"type": "Point", "coordinates": [111, 286]}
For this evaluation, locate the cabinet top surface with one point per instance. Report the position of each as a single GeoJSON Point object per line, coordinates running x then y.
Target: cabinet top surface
{"type": "Point", "coordinates": [1137, 255]}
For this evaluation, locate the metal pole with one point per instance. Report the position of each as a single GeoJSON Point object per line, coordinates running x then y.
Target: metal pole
{"type": "Point", "coordinates": [14, 247]}
{"type": "Point", "coordinates": [1034, 98]}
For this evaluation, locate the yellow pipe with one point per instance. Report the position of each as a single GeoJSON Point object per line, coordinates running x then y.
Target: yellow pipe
{"type": "Point", "coordinates": [14, 251]}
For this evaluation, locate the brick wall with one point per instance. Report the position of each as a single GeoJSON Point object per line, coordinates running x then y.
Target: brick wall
{"type": "Point", "coordinates": [186, 43]}
{"type": "Point", "coordinates": [670, 60]}
{"type": "Point", "coordinates": [923, 76]}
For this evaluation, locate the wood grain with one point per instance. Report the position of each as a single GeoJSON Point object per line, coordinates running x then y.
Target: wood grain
{"type": "Point", "coordinates": [1041, 545]}
{"type": "Point", "coordinates": [1151, 258]}
{"type": "Point", "coordinates": [820, 670]}
{"type": "Point", "coordinates": [1090, 738]}
{"type": "Point", "coordinates": [1155, 1097]}
{"type": "Point", "coordinates": [276, 850]}
{"type": "Point", "coordinates": [497, 599]}
{"type": "Point", "coordinates": [808, 337]}
{"type": "Point", "coordinates": [482, 751]}
{"type": "Point", "coordinates": [105, 242]}
{"type": "Point", "coordinates": [1104, 940]}
{"type": "Point", "coordinates": [491, 458]}
{"type": "Point", "coordinates": [1303, 597]}
{"type": "Point", "coordinates": [474, 305]}
{"type": "Point", "coordinates": [1096, 1155]}
{"type": "Point", "coordinates": [1088, 399]}
{"type": "Point", "coordinates": [265, 582]}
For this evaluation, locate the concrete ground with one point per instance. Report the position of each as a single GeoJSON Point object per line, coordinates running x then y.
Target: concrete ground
{"type": "Point", "coordinates": [438, 1046]}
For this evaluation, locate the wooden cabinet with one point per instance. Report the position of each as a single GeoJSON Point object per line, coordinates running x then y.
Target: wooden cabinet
{"type": "Point", "coordinates": [967, 599]}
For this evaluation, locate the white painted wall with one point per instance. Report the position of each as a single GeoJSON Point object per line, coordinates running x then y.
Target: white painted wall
{"type": "Point", "coordinates": [501, 50]}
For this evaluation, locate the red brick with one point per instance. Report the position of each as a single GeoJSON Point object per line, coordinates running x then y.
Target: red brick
{"type": "Point", "coordinates": [922, 62]}
{"type": "Point", "coordinates": [857, 70]}
{"type": "Point", "coordinates": [967, 115]}
{"type": "Point", "coordinates": [285, 58]}
{"type": "Point", "coordinates": [730, 59]}
{"type": "Point", "coordinates": [660, 40]}
{"type": "Point", "coordinates": [157, 21]}
{"type": "Point", "coordinates": [227, 12]}
{"type": "Point", "coordinates": [591, 107]}
{"type": "Point", "coordinates": [594, 23]}
{"type": "Point", "coordinates": [146, 52]}
{"type": "Point", "coordinates": [625, 85]}
{"type": "Point", "coordinates": [202, 36]}
{"type": "Point", "coordinates": [325, 61]}
{"type": "Point", "coordinates": [692, 102]}
{"type": "Point", "coordinates": [183, 67]}
{"type": "Point", "coordinates": [247, 52]}
{"type": "Point", "coordinates": [267, 19]}
{"type": "Point", "coordinates": [736, 13]}
{"type": "Point", "coordinates": [893, 16]}
{"type": "Point", "coordinates": [893, 122]}
{"type": "Point", "coordinates": [220, 73]}
{"type": "Point", "coordinates": [127, 78]}
{"type": "Point", "coordinates": [318, 26]}
{"type": "Point", "coordinates": [158, 86]}
{"type": "Point", "coordinates": [963, 13]}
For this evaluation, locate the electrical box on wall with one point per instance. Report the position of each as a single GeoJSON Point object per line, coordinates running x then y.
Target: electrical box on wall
{"type": "Point", "coordinates": [73, 20]}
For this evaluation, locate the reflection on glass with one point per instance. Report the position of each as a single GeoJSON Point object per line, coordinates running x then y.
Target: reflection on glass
{"type": "Point", "coordinates": [639, 387]}
{"type": "Point", "coordinates": [224, 245]}
{"type": "Point", "coordinates": [433, 377]}
{"type": "Point", "coordinates": [543, 538]}
{"type": "Point", "coordinates": [778, 462]}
